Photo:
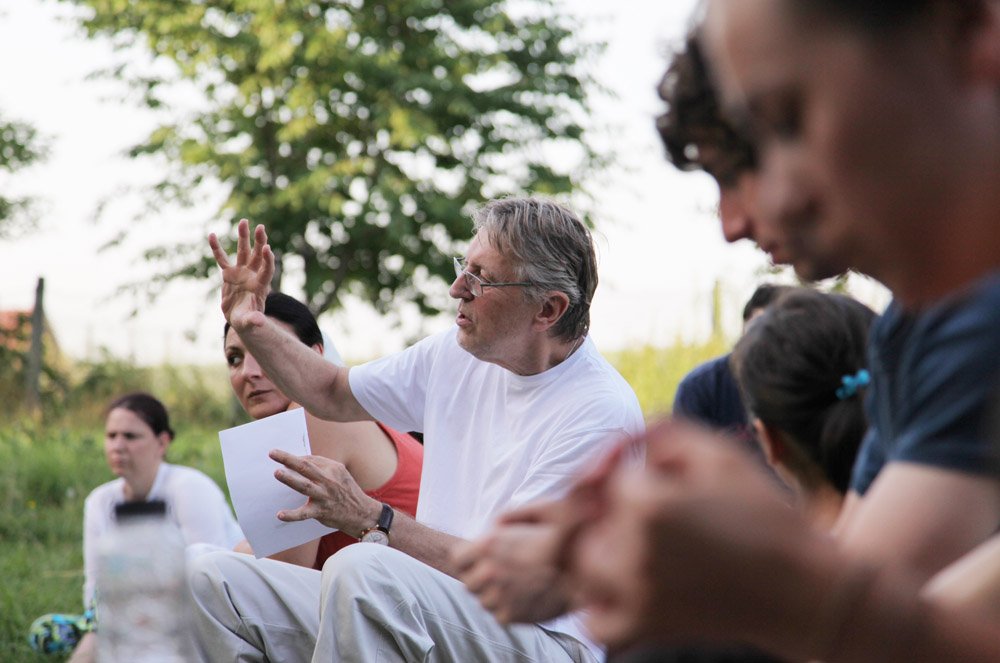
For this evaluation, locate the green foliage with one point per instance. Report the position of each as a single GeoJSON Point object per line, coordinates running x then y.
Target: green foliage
{"type": "Point", "coordinates": [193, 394]}
{"type": "Point", "coordinates": [20, 147]}
{"type": "Point", "coordinates": [357, 132]}
{"type": "Point", "coordinates": [75, 395]}
{"type": "Point", "coordinates": [654, 373]}
{"type": "Point", "coordinates": [45, 477]}
{"type": "Point", "coordinates": [43, 481]}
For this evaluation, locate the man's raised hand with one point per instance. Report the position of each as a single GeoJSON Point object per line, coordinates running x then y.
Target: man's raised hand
{"type": "Point", "coordinates": [245, 285]}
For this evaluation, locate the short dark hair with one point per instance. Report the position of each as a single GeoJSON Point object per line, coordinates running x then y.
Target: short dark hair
{"type": "Point", "coordinates": [789, 365]}
{"type": "Point", "coordinates": [147, 408]}
{"type": "Point", "coordinates": [292, 312]}
{"type": "Point", "coordinates": [762, 298]}
{"type": "Point", "coordinates": [551, 248]}
{"type": "Point", "coordinates": [694, 121]}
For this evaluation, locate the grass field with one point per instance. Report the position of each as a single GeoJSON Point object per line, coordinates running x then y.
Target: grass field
{"type": "Point", "coordinates": [47, 472]}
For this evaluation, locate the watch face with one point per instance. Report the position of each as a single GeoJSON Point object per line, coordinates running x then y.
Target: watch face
{"type": "Point", "coordinates": [376, 536]}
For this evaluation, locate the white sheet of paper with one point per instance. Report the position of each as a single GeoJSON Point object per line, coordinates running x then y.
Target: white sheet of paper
{"type": "Point", "coordinates": [257, 495]}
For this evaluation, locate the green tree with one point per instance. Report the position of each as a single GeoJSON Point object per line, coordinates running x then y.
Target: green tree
{"type": "Point", "coordinates": [357, 131]}
{"type": "Point", "coordinates": [20, 147]}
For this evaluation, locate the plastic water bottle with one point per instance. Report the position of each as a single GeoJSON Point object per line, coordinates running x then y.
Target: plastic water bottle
{"type": "Point", "coordinates": [142, 601]}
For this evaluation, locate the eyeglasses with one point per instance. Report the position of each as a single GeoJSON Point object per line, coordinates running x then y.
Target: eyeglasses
{"type": "Point", "coordinates": [475, 285]}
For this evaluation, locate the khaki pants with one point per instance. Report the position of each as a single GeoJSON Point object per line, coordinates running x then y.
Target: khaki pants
{"type": "Point", "coordinates": [371, 604]}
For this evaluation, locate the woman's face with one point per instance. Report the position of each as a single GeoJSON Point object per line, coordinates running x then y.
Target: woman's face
{"type": "Point", "coordinates": [131, 448]}
{"type": "Point", "coordinates": [257, 394]}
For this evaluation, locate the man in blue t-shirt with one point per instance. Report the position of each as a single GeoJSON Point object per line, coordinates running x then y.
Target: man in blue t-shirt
{"type": "Point", "coordinates": [840, 181]}
{"type": "Point", "coordinates": [709, 393]}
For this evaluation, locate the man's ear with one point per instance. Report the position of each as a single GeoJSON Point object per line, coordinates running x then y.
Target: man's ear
{"type": "Point", "coordinates": [318, 347]}
{"type": "Point", "coordinates": [552, 308]}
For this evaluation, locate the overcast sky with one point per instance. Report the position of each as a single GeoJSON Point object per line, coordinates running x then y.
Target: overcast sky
{"type": "Point", "coordinates": [660, 248]}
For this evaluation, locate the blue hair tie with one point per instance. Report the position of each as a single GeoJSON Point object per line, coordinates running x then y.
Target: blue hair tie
{"type": "Point", "coordinates": [851, 384]}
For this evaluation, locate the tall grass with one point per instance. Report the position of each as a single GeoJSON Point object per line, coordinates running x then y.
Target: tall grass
{"type": "Point", "coordinates": [654, 373]}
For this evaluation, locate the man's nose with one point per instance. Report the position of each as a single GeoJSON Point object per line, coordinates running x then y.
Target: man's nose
{"type": "Point", "coordinates": [459, 289]}
{"type": "Point", "coordinates": [734, 215]}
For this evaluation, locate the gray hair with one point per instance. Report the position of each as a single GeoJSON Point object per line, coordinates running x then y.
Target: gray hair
{"type": "Point", "coordinates": [551, 248]}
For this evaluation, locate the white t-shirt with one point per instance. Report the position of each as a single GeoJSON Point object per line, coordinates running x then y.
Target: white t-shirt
{"type": "Point", "coordinates": [494, 440]}
{"type": "Point", "coordinates": [194, 503]}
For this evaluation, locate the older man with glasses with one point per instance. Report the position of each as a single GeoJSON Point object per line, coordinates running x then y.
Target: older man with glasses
{"type": "Point", "coordinates": [514, 400]}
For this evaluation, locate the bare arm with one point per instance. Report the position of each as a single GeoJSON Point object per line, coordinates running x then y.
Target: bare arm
{"type": "Point", "coordinates": [86, 650]}
{"type": "Point", "coordinates": [302, 555]}
{"type": "Point", "coordinates": [296, 369]}
{"type": "Point", "coordinates": [869, 616]}
{"type": "Point", "coordinates": [430, 546]}
{"type": "Point", "coordinates": [302, 374]}
{"type": "Point", "coordinates": [971, 582]}
{"type": "Point", "coordinates": [881, 619]}
{"type": "Point", "coordinates": [921, 516]}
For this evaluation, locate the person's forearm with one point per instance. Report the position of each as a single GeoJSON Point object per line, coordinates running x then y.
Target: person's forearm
{"type": "Point", "coordinates": [839, 610]}
{"type": "Point", "coordinates": [86, 650]}
{"type": "Point", "coordinates": [301, 373]}
{"type": "Point", "coordinates": [430, 546]}
{"type": "Point", "coordinates": [895, 624]}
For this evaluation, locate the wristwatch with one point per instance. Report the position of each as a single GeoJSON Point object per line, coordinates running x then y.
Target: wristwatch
{"type": "Point", "coordinates": [380, 532]}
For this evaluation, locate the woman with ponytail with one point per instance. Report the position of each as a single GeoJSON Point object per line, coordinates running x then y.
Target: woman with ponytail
{"type": "Point", "coordinates": [801, 370]}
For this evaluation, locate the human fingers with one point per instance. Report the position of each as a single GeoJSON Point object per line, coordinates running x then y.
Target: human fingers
{"type": "Point", "coordinates": [266, 271]}
{"type": "Point", "coordinates": [256, 257]}
{"type": "Point", "coordinates": [466, 554]}
{"type": "Point", "coordinates": [304, 512]}
{"type": "Point", "coordinates": [220, 256]}
{"type": "Point", "coordinates": [480, 576]}
{"type": "Point", "coordinates": [296, 482]}
{"type": "Point", "coordinates": [587, 495]}
{"type": "Point", "coordinates": [612, 579]}
{"type": "Point", "coordinates": [601, 582]}
{"type": "Point", "coordinates": [607, 464]}
{"type": "Point", "coordinates": [242, 242]}
{"type": "Point", "coordinates": [313, 468]}
{"type": "Point", "coordinates": [679, 448]}
{"type": "Point", "coordinates": [533, 512]}
{"type": "Point", "coordinates": [493, 600]}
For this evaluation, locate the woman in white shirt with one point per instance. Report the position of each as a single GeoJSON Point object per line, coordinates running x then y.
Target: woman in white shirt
{"type": "Point", "coordinates": [137, 434]}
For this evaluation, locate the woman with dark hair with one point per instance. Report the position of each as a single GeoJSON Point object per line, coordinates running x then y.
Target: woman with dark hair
{"type": "Point", "coordinates": [384, 462]}
{"type": "Point", "coordinates": [137, 433]}
{"type": "Point", "coordinates": [801, 370]}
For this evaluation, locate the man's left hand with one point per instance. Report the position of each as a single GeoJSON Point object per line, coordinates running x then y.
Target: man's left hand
{"type": "Point", "coordinates": [335, 498]}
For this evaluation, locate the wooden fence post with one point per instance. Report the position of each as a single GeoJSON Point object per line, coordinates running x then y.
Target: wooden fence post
{"type": "Point", "coordinates": [33, 396]}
